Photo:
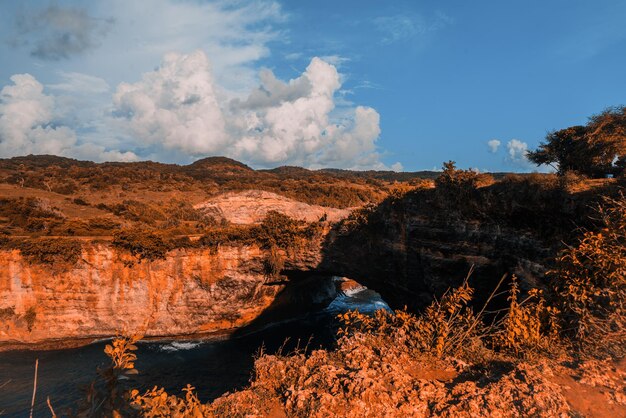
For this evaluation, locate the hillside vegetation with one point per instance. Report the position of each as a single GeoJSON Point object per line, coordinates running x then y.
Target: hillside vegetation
{"type": "Point", "coordinates": [555, 350]}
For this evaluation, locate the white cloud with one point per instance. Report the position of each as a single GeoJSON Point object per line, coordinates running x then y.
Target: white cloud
{"type": "Point", "coordinates": [293, 56]}
{"type": "Point", "coordinates": [517, 150]}
{"type": "Point", "coordinates": [336, 60]}
{"type": "Point", "coordinates": [191, 107]}
{"type": "Point", "coordinates": [301, 129]}
{"type": "Point", "coordinates": [25, 120]}
{"type": "Point", "coordinates": [272, 91]}
{"type": "Point", "coordinates": [234, 34]}
{"type": "Point", "coordinates": [29, 125]}
{"type": "Point", "coordinates": [176, 108]}
{"type": "Point", "coordinates": [493, 145]}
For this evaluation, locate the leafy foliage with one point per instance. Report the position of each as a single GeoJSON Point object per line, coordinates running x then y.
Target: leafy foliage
{"type": "Point", "coordinates": [590, 281]}
{"type": "Point", "coordinates": [455, 187]}
{"type": "Point", "coordinates": [597, 149]}
{"type": "Point", "coordinates": [60, 252]}
{"type": "Point", "coordinates": [447, 326]}
{"type": "Point", "coordinates": [276, 230]}
{"type": "Point", "coordinates": [158, 403]}
{"type": "Point", "coordinates": [529, 325]}
{"type": "Point", "coordinates": [142, 244]}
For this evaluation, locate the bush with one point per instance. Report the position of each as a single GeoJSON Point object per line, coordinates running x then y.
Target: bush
{"type": "Point", "coordinates": [23, 211]}
{"type": "Point", "coordinates": [447, 327]}
{"type": "Point", "coordinates": [80, 201]}
{"type": "Point", "coordinates": [529, 325]}
{"type": "Point", "coordinates": [141, 243]}
{"type": "Point", "coordinates": [276, 230]}
{"type": "Point", "coordinates": [279, 230]}
{"type": "Point", "coordinates": [50, 251]}
{"type": "Point", "coordinates": [241, 235]}
{"type": "Point", "coordinates": [273, 263]}
{"type": "Point", "coordinates": [590, 281]}
{"type": "Point", "coordinates": [455, 188]}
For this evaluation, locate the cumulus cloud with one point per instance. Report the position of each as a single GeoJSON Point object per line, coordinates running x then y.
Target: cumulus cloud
{"type": "Point", "coordinates": [25, 120]}
{"type": "Point", "coordinates": [493, 145]}
{"type": "Point", "coordinates": [517, 150]}
{"type": "Point", "coordinates": [29, 125]}
{"type": "Point", "coordinates": [58, 33]}
{"type": "Point", "coordinates": [305, 129]}
{"type": "Point", "coordinates": [176, 108]}
{"type": "Point", "coordinates": [273, 91]}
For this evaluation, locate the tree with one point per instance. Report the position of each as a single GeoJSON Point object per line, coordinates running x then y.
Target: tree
{"type": "Point", "coordinates": [596, 149]}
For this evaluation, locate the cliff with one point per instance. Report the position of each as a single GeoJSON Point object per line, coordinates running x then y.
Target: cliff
{"type": "Point", "coordinates": [191, 292]}
{"type": "Point", "coordinates": [410, 249]}
{"type": "Point", "coordinates": [413, 247]}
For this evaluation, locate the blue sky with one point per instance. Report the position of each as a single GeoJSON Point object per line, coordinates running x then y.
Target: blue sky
{"type": "Point", "coordinates": [351, 84]}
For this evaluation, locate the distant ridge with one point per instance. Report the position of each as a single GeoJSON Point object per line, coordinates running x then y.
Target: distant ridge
{"type": "Point", "coordinates": [217, 165]}
{"type": "Point", "coordinates": [218, 162]}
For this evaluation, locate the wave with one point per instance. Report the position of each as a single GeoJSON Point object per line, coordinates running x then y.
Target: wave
{"type": "Point", "coordinates": [179, 345]}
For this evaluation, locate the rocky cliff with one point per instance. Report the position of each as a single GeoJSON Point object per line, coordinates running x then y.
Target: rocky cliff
{"type": "Point", "coordinates": [409, 249]}
{"type": "Point", "coordinates": [412, 248]}
{"type": "Point", "coordinates": [191, 292]}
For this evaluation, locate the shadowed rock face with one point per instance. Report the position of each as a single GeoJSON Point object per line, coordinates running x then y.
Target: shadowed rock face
{"type": "Point", "coordinates": [413, 259]}
{"type": "Point", "coordinates": [415, 247]}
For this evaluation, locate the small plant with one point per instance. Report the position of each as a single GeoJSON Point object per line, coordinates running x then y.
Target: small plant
{"type": "Point", "coordinates": [447, 326]}
{"type": "Point", "coordinates": [529, 325]}
{"type": "Point", "coordinates": [590, 281]}
{"type": "Point", "coordinates": [158, 403]}
{"type": "Point", "coordinates": [121, 352]}
{"type": "Point", "coordinates": [273, 263]}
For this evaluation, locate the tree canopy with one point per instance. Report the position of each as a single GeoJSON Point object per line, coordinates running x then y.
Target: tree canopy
{"type": "Point", "coordinates": [596, 149]}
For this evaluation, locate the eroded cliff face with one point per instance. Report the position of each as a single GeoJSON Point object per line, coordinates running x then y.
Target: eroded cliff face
{"type": "Point", "coordinates": [407, 249]}
{"type": "Point", "coordinates": [192, 291]}
{"type": "Point", "coordinates": [414, 259]}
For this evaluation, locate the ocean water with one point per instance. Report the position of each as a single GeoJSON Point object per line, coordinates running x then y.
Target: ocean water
{"type": "Point", "coordinates": [212, 367]}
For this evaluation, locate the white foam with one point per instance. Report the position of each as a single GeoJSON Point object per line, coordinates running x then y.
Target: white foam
{"type": "Point", "coordinates": [179, 345]}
